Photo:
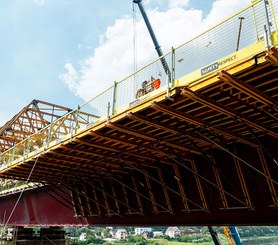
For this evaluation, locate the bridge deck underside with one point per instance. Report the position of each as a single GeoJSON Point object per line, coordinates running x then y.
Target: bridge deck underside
{"type": "Point", "coordinates": [206, 157]}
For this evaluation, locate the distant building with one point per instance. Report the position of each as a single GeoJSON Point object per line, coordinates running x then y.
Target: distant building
{"type": "Point", "coordinates": [110, 240]}
{"type": "Point", "coordinates": [190, 231]}
{"type": "Point", "coordinates": [140, 230]}
{"type": "Point", "coordinates": [83, 237]}
{"type": "Point", "coordinates": [172, 231]}
{"type": "Point", "coordinates": [157, 233]}
{"type": "Point", "coordinates": [147, 234]}
{"type": "Point", "coordinates": [121, 234]}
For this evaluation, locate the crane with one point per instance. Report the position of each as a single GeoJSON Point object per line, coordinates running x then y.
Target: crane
{"type": "Point", "coordinates": [232, 235]}
{"type": "Point", "coordinates": [235, 235]}
{"type": "Point", "coordinates": [155, 42]}
{"type": "Point", "coordinates": [228, 235]}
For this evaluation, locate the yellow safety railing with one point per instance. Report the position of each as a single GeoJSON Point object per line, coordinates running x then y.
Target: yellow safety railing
{"type": "Point", "coordinates": [213, 44]}
{"type": "Point", "coordinates": [10, 186]}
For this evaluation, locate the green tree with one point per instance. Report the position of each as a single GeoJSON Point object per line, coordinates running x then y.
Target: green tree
{"type": "Point", "coordinates": [138, 240]}
{"type": "Point", "coordinates": [106, 232]}
{"type": "Point", "coordinates": [94, 240]}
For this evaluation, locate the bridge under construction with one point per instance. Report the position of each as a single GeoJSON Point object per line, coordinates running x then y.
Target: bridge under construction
{"type": "Point", "coordinates": [195, 146]}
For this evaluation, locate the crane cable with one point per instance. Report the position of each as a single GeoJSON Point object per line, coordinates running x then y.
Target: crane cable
{"type": "Point", "coordinates": [21, 193]}
{"type": "Point", "coordinates": [134, 33]}
{"type": "Point", "coordinates": [134, 30]}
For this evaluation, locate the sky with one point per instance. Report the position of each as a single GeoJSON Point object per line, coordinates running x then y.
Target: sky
{"type": "Point", "coordinates": [67, 51]}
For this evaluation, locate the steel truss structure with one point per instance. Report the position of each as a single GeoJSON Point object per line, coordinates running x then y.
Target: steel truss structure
{"type": "Point", "coordinates": [31, 119]}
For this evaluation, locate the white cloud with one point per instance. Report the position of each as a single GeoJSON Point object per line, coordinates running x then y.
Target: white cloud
{"type": "Point", "coordinates": [178, 3]}
{"type": "Point", "coordinates": [222, 9]}
{"type": "Point", "coordinates": [71, 78]}
{"type": "Point", "coordinates": [113, 58]}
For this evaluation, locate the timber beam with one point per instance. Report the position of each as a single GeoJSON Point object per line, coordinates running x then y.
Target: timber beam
{"type": "Point", "coordinates": [227, 111]}
{"type": "Point", "coordinates": [200, 123]}
{"type": "Point", "coordinates": [272, 56]}
{"type": "Point", "coordinates": [246, 88]}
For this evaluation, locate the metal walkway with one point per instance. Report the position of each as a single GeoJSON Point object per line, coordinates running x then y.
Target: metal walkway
{"type": "Point", "coordinates": [200, 148]}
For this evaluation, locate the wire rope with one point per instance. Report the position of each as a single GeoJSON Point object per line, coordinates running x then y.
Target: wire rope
{"type": "Point", "coordinates": [134, 39]}
{"type": "Point", "coordinates": [134, 30]}
{"type": "Point", "coordinates": [21, 193]}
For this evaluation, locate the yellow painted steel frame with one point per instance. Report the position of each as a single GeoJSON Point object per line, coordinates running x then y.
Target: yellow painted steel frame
{"type": "Point", "coordinates": [233, 63]}
{"type": "Point", "coordinates": [228, 235]}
